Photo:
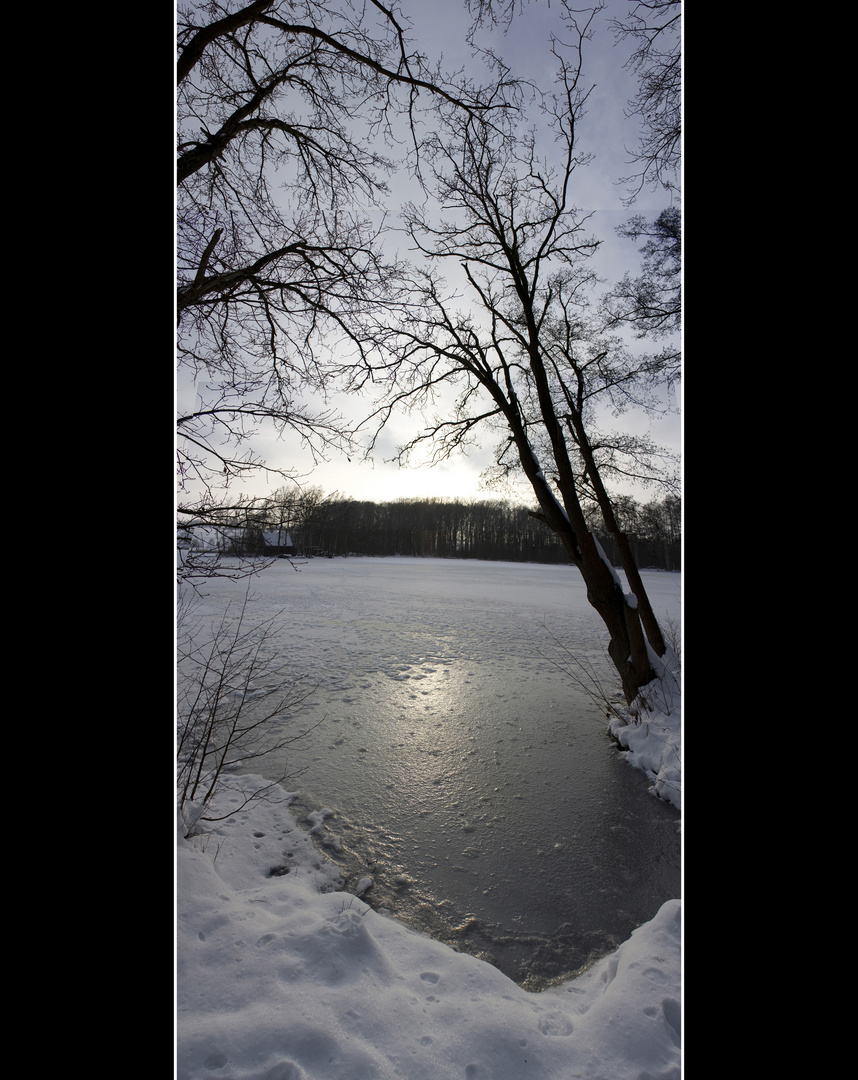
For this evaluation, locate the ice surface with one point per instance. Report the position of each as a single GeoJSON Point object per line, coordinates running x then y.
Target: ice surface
{"type": "Point", "coordinates": [281, 975]}
{"type": "Point", "coordinates": [281, 978]}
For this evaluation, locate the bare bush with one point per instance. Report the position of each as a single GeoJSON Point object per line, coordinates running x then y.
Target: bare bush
{"type": "Point", "coordinates": [660, 695]}
{"type": "Point", "coordinates": [233, 700]}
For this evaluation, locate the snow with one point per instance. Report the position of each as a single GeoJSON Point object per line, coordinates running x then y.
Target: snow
{"type": "Point", "coordinates": [282, 975]}
{"type": "Point", "coordinates": [650, 733]}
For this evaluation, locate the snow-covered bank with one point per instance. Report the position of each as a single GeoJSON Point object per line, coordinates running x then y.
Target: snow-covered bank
{"type": "Point", "coordinates": [650, 734]}
{"type": "Point", "coordinates": [282, 977]}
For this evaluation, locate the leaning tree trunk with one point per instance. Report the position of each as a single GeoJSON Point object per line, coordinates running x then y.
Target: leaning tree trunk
{"type": "Point", "coordinates": [628, 644]}
{"type": "Point", "coordinates": [647, 615]}
{"type": "Point", "coordinates": [630, 566]}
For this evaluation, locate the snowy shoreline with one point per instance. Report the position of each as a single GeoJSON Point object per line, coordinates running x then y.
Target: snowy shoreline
{"type": "Point", "coordinates": [283, 976]}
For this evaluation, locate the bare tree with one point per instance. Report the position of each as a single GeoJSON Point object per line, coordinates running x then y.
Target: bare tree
{"type": "Point", "coordinates": [234, 704]}
{"type": "Point", "coordinates": [291, 116]}
{"type": "Point", "coordinates": [287, 115]}
{"type": "Point", "coordinates": [650, 303]}
{"type": "Point", "coordinates": [529, 356]}
{"type": "Point", "coordinates": [655, 28]}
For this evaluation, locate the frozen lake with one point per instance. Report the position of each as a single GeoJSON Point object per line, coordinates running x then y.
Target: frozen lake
{"type": "Point", "coordinates": [466, 772]}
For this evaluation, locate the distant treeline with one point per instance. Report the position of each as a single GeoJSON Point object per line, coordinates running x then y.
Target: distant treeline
{"type": "Point", "coordinates": [311, 523]}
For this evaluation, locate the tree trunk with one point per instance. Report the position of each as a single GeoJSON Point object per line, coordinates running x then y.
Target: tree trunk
{"type": "Point", "coordinates": [647, 615]}
{"type": "Point", "coordinates": [627, 559]}
{"type": "Point", "coordinates": [628, 647]}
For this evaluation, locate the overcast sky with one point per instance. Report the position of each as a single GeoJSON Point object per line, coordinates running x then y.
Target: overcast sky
{"type": "Point", "coordinates": [439, 27]}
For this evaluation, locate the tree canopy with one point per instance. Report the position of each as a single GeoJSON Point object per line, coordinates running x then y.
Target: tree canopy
{"type": "Point", "coordinates": [293, 116]}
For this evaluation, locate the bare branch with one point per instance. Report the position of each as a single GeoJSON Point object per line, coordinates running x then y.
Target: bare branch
{"type": "Point", "coordinates": [655, 27]}
{"type": "Point", "coordinates": [286, 117]}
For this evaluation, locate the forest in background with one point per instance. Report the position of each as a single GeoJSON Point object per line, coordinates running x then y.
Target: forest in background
{"type": "Point", "coordinates": [308, 522]}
